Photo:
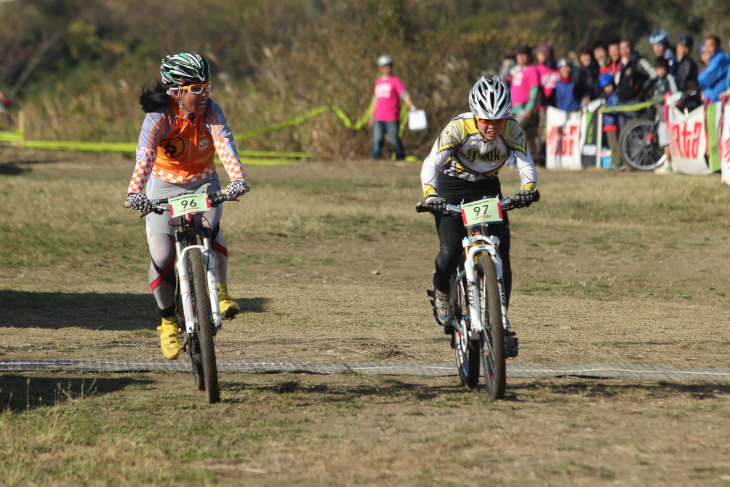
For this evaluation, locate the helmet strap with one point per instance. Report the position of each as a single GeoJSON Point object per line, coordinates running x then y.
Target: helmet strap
{"type": "Point", "coordinates": [181, 103]}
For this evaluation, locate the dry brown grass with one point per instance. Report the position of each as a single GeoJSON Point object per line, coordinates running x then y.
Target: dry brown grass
{"type": "Point", "coordinates": [608, 268]}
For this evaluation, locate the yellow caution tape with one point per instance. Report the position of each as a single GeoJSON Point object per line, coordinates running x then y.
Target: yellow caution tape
{"type": "Point", "coordinates": [629, 108]}
{"type": "Point", "coordinates": [275, 158]}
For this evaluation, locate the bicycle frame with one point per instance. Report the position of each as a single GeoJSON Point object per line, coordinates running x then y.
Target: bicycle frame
{"type": "Point", "coordinates": [188, 223]}
{"type": "Point", "coordinates": [477, 244]}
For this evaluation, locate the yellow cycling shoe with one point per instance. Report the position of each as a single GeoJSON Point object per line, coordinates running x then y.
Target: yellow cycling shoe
{"type": "Point", "coordinates": [228, 306]}
{"type": "Point", "coordinates": [168, 338]}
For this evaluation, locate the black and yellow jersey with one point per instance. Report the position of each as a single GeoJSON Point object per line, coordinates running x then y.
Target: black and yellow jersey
{"type": "Point", "coordinates": [461, 151]}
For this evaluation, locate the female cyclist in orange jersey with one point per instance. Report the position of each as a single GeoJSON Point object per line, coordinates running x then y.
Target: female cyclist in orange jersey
{"type": "Point", "coordinates": [180, 135]}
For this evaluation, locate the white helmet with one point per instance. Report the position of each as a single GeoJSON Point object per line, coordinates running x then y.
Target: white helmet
{"type": "Point", "coordinates": [384, 60]}
{"type": "Point", "coordinates": [490, 99]}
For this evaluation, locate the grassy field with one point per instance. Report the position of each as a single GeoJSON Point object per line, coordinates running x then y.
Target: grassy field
{"type": "Point", "coordinates": [331, 263]}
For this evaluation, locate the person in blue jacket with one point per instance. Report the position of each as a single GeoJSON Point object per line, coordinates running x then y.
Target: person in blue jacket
{"type": "Point", "coordinates": [610, 121]}
{"type": "Point", "coordinates": [713, 79]}
{"type": "Point", "coordinates": [564, 98]}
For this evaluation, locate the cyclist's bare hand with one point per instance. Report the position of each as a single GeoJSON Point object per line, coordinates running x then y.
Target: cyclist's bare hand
{"type": "Point", "coordinates": [139, 201]}
{"type": "Point", "coordinates": [237, 188]}
{"type": "Point", "coordinates": [436, 203]}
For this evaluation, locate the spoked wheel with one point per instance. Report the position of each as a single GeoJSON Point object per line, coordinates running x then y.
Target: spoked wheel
{"type": "Point", "coordinates": [466, 350]}
{"type": "Point", "coordinates": [196, 361]}
{"type": "Point", "coordinates": [639, 145]}
{"type": "Point", "coordinates": [202, 345]}
{"type": "Point", "coordinates": [492, 338]}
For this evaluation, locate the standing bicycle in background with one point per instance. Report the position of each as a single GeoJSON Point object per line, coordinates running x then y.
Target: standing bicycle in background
{"type": "Point", "coordinates": [463, 166]}
{"type": "Point", "coordinates": [180, 135]}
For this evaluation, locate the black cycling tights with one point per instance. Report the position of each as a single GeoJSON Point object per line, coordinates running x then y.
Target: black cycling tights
{"type": "Point", "coordinates": [451, 230]}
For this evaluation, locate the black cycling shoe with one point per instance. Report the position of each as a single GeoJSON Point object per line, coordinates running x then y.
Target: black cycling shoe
{"type": "Point", "coordinates": [511, 346]}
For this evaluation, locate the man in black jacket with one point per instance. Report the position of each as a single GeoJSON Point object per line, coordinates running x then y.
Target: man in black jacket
{"type": "Point", "coordinates": [635, 72]}
{"type": "Point", "coordinates": [688, 69]}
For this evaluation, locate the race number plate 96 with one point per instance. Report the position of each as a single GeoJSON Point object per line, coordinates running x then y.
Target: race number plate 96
{"type": "Point", "coordinates": [188, 203]}
{"type": "Point", "coordinates": [487, 210]}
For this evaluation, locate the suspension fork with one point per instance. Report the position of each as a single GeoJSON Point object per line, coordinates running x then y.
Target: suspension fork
{"type": "Point", "coordinates": [482, 247]}
{"type": "Point", "coordinates": [211, 281]}
{"type": "Point", "coordinates": [181, 264]}
{"type": "Point", "coordinates": [184, 279]}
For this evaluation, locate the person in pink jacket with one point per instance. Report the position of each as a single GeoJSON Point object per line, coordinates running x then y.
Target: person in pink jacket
{"type": "Point", "coordinates": [548, 80]}
{"type": "Point", "coordinates": [388, 93]}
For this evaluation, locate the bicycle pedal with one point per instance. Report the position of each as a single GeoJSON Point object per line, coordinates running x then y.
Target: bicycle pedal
{"type": "Point", "coordinates": [430, 293]}
{"type": "Point", "coordinates": [448, 330]}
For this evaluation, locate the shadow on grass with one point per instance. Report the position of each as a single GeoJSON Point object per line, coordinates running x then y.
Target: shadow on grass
{"type": "Point", "coordinates": [93, 311]}
{"type": "Point", "coordinates": [12, 169]}
{"type": "Point", "coordinates": [19, 166]}
{"type": "Point", "coordinates": [397, 389]}
{"type": "Point", "coordinates": [599, 388]}
{"type": "Point", "coordinates": [23, 392]}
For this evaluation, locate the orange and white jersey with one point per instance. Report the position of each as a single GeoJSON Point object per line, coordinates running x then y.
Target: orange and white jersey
{"type": "Point", "coordinates": [179, 150]}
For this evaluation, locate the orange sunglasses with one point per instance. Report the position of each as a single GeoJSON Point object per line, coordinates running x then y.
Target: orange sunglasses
{"type": "Point", "coordinates": [197, 89]}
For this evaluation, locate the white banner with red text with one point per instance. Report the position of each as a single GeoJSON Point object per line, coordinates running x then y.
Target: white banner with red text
{"type": "Point", "coordinates": [563, 141]}
{"type": "Point", "coordinates": [688, 141]}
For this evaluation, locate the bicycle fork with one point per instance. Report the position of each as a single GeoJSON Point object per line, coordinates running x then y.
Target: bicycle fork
{"type": "Point", "coordinates": [470, 271]}
{"type": "Point", "coordinates": [183, 277]}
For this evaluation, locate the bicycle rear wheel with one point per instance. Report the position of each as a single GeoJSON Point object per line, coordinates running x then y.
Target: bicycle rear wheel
{"type": "Point", "coordinates": [203, 349]}
{"type": "Point", "coordinates": [492, 338]}
{"type": "Point", "coordinates": [466, 350]}
{"type": "Point", "coordinates": [639, 145]}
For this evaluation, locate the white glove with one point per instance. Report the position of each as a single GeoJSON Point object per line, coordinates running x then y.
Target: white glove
{"type": "Point", "coordinates": [237, 188]}
{"type": "Point", "coordinates": [139, 201]}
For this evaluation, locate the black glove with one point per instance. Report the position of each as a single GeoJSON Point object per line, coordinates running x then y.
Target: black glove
{"type": "Point", "coordinates": [139, 201]}
{"type": "Point", "coordinates": [436, 203]}
{"type": "Point", "coordinates": [526, 197]}
{"type": "Point", "coordinates": [237, 188]}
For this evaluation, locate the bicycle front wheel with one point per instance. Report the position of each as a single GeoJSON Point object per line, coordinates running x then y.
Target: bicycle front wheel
{"type": "Point", "coordinates": [467, 351]}
{"type": "Point", "coordinates": [492, 338]}
{"type": "Point", "coordinates": [204, 326]}
{"type": "Point", "coordinates": [639, 145]}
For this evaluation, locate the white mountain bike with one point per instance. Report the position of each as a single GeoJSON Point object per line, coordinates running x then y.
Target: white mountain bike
{"type": "Point", "coordinates": [478, 323]}
{"type": "Point", "coordinates": [196, 296]}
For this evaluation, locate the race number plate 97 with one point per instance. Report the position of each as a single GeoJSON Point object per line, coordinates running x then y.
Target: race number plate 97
{"type": "Point", "coordinates": [188, 203]}
{"type": "Point", "coordinates": [487, 210]}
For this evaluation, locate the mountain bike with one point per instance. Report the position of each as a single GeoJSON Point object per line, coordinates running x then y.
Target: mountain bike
{"type": "Point", "coordinates": [639, 141]}
{"type": "Point", "coordinates": [478, 323]}
{"type": "Point", "coordinates": [642, 141]}
{"type": "Point", "coordinates": [196, 293]}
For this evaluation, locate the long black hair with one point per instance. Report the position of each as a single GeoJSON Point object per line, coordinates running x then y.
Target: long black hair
{"type": "Point", "coordinates": [155, 98]}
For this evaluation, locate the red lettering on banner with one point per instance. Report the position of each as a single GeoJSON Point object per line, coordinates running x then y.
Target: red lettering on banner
{"type": "Point", "coordinates": [674, 139]}
{"type": "Point", "coordinates": [561, 141]}
{"type": "Point", "coordinates": [687, 139]}
{"type": "Point", "coordinates": [553, 138]}
{"type": "Point", "coordinates": [570, 140]}
{"type": "Point", "coordinates": [725, 149]}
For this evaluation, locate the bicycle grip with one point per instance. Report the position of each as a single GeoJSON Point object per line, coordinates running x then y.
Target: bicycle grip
{"type": "Point", "coordinates": [422, 208]}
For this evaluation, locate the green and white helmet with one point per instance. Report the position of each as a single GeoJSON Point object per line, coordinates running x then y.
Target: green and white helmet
{"type": "Point", "coordinates": [184, 69]}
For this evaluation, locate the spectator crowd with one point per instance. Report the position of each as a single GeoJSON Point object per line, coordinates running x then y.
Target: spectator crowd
{"type": "Point", "coordinates": [616, 72]}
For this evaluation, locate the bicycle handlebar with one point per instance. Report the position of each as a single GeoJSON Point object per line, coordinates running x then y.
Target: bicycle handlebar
{"type": "Point", "coordinates": [507, 204]}
{"type": "Point", "coordinates": [160, 205]}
